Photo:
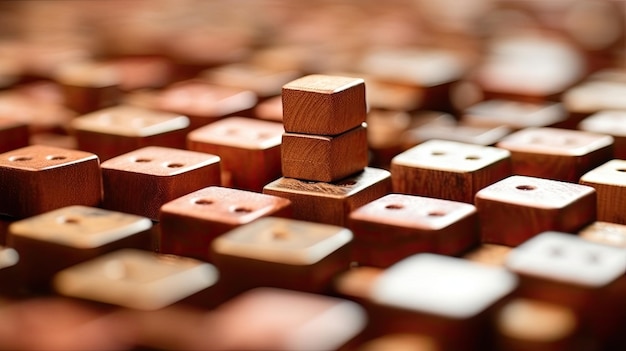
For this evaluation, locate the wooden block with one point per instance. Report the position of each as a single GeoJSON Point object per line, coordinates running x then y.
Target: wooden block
{"type": "Point", "coordinates": [136, 279]}
{"type": "Point", "coordinates": [461, 133]}
{"type": "Point", "coordinates": [421, 294]}
{"type": "Point", "coordinates": [323, 105]}
{"type": "Point", "coordinates": [513, 114]}
{"type": "Point", "coordinates": [141, 71]}
{"type": "Point", "coordinates": [263, 81]}
{"type": "Point", "coordinates": [396, 226]}
{"type": "Point", "coordinates": [448, 170]}
{"type": "Point", "coordinates": [401, 341]}
{"type": "Point", "coordinates": [609, 181]}
{"type": "Point", "coordinates": [13, 135]}
{"type": "Point", "coordinates": [38, 178]}
{"type": "Point", "coordinates": [9, 259]}
{"type": "Point", "coordinates": [517, 208]}
{"type": "Point", "coordinates": [331, 203]}
{"type": "Point", "coordinates": [558, 154]}
{"type": "Point", "coordinates": [490, 254]}
{"type": "Point", "coordinates": [52, 241]}
{"type": "Point", "coordinates": [120, 129]}
{"type": "Point", "coordinates": [357, 283]}
{"type": "Point", "coordinates": [41, 116]}
{"type": "Point", "coordinates": [190, 223]}
{"type": "Point", "coordinates": [282, 253]}
{"type": "Point", "coordinates": [610, 122]}
{"type": "Point", "coordinates": [605, 233]}
{"type": "Point", "coordinates": [270, 109]}
{"type": "Point", "coordinates": [324, 158]}
{"type": "Point", "coordinates": [141, 181]}
{"type": "Point", "coordinates": [249, 150]}
{"type": "Point", "coordinates": [592, 96]}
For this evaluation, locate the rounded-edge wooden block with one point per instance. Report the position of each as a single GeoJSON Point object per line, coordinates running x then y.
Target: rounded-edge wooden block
{"type": "Point", "coordinates": [514, 114]}
{"type": "Point", "coordinates": [14, 134]}
{"type": "Point", "coordinates": [323, 104]}
{"type": "Point", "coordinates": [609, 180]}
{"type": "Point", "coordinates": [40, 178]}
{"type": "Point", "coordinates": [610, 122]}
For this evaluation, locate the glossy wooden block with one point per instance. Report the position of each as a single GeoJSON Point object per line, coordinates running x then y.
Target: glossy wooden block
{"type": "Point", "coordinates": [490, 254]}
{"type": "Point", "coordinates": [592, 96]}
{"type": "Point", "coordinates": [38, 178]}
{"type": "Point", "coordinates": [514, 114]}
{"type": "Point", "coordinates": [448, 170]}
{"type": "Point", "coordinates": [13, 134]}
{"type": "Point", "coordinates": [486, 136]}
{"type": "Point", "coordinates": [558, 154]}
{"type": "Point", "coordinates": [396, 226]}
{"type": "Point", "coordinates": [331, 203]}
{"type": "Point", "coordinates": [517, 208]}
{"type": "Point", "coordinates": [263, 81]}
{"type": "Point", "coordinates": [324, 158]}
{"type": "Point", "coordinates": [136, 279]}
{"type": "Point", "coordinates": [190, 223]}
{"type": "Point", "coordinates": [270, 109]}
{"type": "Point", "coordinates": [61, 238]}
{"type": "Point", "coordinates": [607, 233]}
{"type": "Point", "coordinates": [282, 253]}
{"type": "Point", "coordinates": [141, 181]}
{"type": "Point", "coordinates": [609, 181]}
{"type": "Point", "coordinates": [610, 122]}
{"type": "Point", "coordinates": [249, 150]}
{"type": "Point", "coordinates": [120, 129]}
{"type": "Point", "coordinates": [88, 86]}
{"type": "Point", "coordinates": [420, 294]}
{"type": "Point", "coordinates": [323, 104]}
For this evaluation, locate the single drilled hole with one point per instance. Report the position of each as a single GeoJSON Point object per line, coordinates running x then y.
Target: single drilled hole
{"type": "Point", "coordinates": [594, 258]}
{"type": "Point", "coordinates": [239, 209]}
{"type": "Point", "coordinates": [621, 169]}
{"type": "Point", "coordinates": [56, 157]}
{"type": "Point", "coordinates": [394, 207]}
{"type": "Point", "coordinates": [20, 158]}
{"type": "Point", "coordinates": [526, 187]}
{"type": "Point", "coordinates": [231, 131]}
{"type": "Point", "coordinates": [143, 160]}
{"type": "Point", "coordinates": [556, 251]}
{"type": "Point", "coordinates": [436, 214]}
{"type": "Point", "coordinates": [261, 136]}
{"type": "Point", "coordinates": [203, 202]}
{"type": "Point", "coordinates": [280, 235]}
{"type": "Point", "coordinates": [174, 165]}
{"type": "Point", "coordinates": [68, 220]}
{"type": "Point", "coordinates": [437, 153]}
{"type": "Point", "coordinates": [472, 157]}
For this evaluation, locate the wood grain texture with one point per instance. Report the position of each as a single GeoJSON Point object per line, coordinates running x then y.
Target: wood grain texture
{"type": "Point", "coordinates": [517, 208]}
{"type": "Point", "coordinates": [448, 170]}
{"type": "Point", "coordinates": [331, 203]}
{"type": "Point", "coordinates": [323, 104]}
{"type": "Point", "coordinates": [324, 158]}
{"type": "Point", "coordinates": [39, 178]}
{"type": "Point", "coordinates": [609, 181]}
{"type": "Point", "coordinates": [190, 223]}
{"type": "Point", "coordinates": [141, 181]}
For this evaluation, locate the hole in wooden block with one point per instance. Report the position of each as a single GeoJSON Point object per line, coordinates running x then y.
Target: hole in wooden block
{"type": "Point", "coordinates": [231, 131]}
{"type": "Point", "coordinates": [437, 153]}
{"type": "Point", "coordinates": [436, 214]}
{"type": "Point", "coordinates": [472, 157]}
{"type": "Point", "coordinates": [526, 187]}
{"type": "Point", "coordinates": [240, 209]}
{"type": "Point", "coordinates": [56, 157]}
{"type": "Point", "coordinates": [394, 207]}
{"type": "Point", "coordinates": [621, 169]}
{"type": "Point", "coordinates": [20, 158]}
{"type": "Point", "coordinates": [115, 270]}
{"type": "Point", "coordinates": [261, 136]}
{"type": "Point", "coordinates": [556, 251]}
{"type": "Point", "coordinates": [203, 202]}
{"type": "Point", "coordinates": [142, 160]}
{"type": "Point", "coordinates": [594, 258]}
{"type": "Point", "coordinates": [68, 220]}
{"type": "Point", "coordinates": [174, 165]}
{"type": "Point", "coordinates": [280, 235]}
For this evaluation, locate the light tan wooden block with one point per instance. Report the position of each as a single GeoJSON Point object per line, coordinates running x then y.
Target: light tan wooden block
{"type": "Point", "coordinates": [486, 136]}
{"type": "Point", "coordinates": [270, 109]}
{"type": "Point", "coordinates": [609, 181]}
{"type": "Point", "coordinates": [558, 154]}
{"type": "Point", "coordinates": [448, 170]}
{"type": "Point", "coordinates": [323, 105]}
{"type": "Point", "coordinates": [513, 114]}
{"type": "Point", "coordinates": [331, 203]}
{"type": "Point", "coordinates": [490, 254]}
{"type": "Point", "coordinates": [141, 181]}
{"type": "Point", "coordinates": [9, 258]}
{"type": "Point", "coordinates": [519, 207]}
{"type": "Point", "coordinates": [324, 158]}
{"type": "Point", "coordinates": [249, 150]}
{"type": "Point", "coordinates": [120, 129]}
{"type": "Point", "coordinates": [263, 81]}
{"type": "Point", "coordinates": [610, 122]}
{"type": "Point", "coordinates": [605, 233]}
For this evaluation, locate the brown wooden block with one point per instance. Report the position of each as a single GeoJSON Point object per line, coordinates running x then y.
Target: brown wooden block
{"type": "Point", "coordinates": [249, 150]}
{"type": "Point", "coordinates": [120, 129]}
{"type": "Point", "coordinates": [491, 254]}
{"type": "Point", "coordinates": [486, 136]}
{"type": "Point", "coordinates": [61, 238]}
{"type": "Point", "coordinates": [141, 71]}
{"type": "Point", "coordinates": [324, 158]}
{"type": "Point", "coordinates": [609, 181]}
{"type": "Point", "coordinates": [13, 135]}
{"type": "Point", "coordinates": [38, 178]}
{"type": "Point", "coordinates": [282, 253]}
{"type": "Point", "coordinates": [263, 81]}
{"type": "Point", "coordinates": [422, 294]}
{"type": "Point", "coordinates": [136, 279]}
{"type": "Point", "coordinates": [592, 96]}
{"type": "Point", "coordinates": [610, 122]}
{"type": "Point", "coordinates": [323, 105]}
{"type": "Point", "coordinates": [396, 226]}
{"type": "Point", "coordinates": [401, 341]}
{"type": "Point", "coordinates": [558, 154]}
{"type": "Point", "coordinates": [88, 86]}
{"type": "Point", "coordinates": [513, 114]}
{"type": "Point", "coordinates": [190, 223]}
{"type": "Point", "coordinates": [40, 115]}
{"type": "Point", "coordinates": [517, 208]}
{"type": "Point", "coordinates": [141, 181]}
{"type": "Point", "coordinates": [448, 170]}
{"type": "Point", "coordinates": [270, 109]}
{"type": "Point", "coordinates": [605, 233]}
{"type": "Point", "coordinates": [357, 283]}
{"type": "Point", "coordinates": [9, 259]}
{"type": "Point", "coordinates": [331, 203]}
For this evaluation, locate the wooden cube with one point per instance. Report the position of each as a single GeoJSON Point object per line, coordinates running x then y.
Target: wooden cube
{"type": "Point", "coordinates": [609, 180]}
{"type": "Point", "coordinates": [323, 104]}
{"type": "Point", "coordinates": [13, 135]}
{"type": "Point", "coordinates": [263, 81]}
{"type": "Point", "coordinates": [38, 178]}
{"type": "Point", "coordinates": [324, 158]}
{"type": "Point", "coordinates": [9, 258]}
{"type": "Point", "coordinates": [592, 96]}
{"type": "Point", "coordinates": [120, 129]}
{"type": "Point", "coordinates": [141, 181]}
{"type": "Point", "coordinates": [514, 114]}
{"type": "Point", "coordinates": [249, 150]}
{"type": "Point", "coordinates": [605, 233]}
{"type": "Point", "coordinates": [448, 170]}
{"type": "Point", "coordinates": [396, 226]}
{"type": "Point", "coordinates": [190, 223]}
{"type": "Point", "coordinates": [331, 203]}
{"type": "Point", "coordinates": [461, 133]}
{"type": "Point", "coordinates": [52, 241]}
{"type": "Point", "coordinates": [136, 279]}
{"type": "Point", "coordinates": [490, 254]}
{"type": "Point", "coordinates": [611, 122]}
{"type": "Point", "coordinates": [88, 86]}
{"type": "Point", "coordinates": [282, 253]}
{"type": "Point", "coordinates": [558, 154]}
{"type": "Point", "coordinates": [517, 208]}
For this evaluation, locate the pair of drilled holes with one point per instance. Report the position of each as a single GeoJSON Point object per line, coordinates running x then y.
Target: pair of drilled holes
{"type": "Point", "coordinates": [468, 157]}
{"type": "Point", "coordinates": [429, 214]}
{"type": "Point", "coordinates": [168, 165]}
{"type": "Point", "coordinates": [28, 158]}
{"type": "Point", "coordinates": [256, 136]}
{"type": "Point", "coordinates": [559, 252]}
{"type": "Point", "coordinates": [235, 209]}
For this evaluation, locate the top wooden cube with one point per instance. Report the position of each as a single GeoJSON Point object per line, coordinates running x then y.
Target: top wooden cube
{"type": "Point", "coordinates": [323, 105]}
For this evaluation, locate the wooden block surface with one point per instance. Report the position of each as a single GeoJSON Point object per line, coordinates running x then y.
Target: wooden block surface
{"type": "Point", "coordinates": [13, 135]}
{"type": "Point", "coordinates": [609, 122]}
{"type": "Point", "coordinates": [324, 105]}
{"type": "Point", "coordinates": [605, 233]}
{"type": "Point", "coordinates": [513, 114]}
{"type": "Point", "coordinates": [609, 181]}
{"type": "Point", "coordinates": [263, 81]}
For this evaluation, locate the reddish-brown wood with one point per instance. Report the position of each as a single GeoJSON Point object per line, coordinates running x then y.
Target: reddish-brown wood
{"type": "Point", "coordinates": [461, 133]}
{"type": "Point", "coordinates": [38, 178]}
{"type": "Point", "coordinates": [324, 158]}
{"type": "Point", "coordinates": [517, 208]}
{"type": "Point", "coordinates": [609, 122]}
{"type": "Point", "coordinates": [270, 109]}
{"type": "Point", "coordinates": [88, 86]}
{"type": "Point", "coordinates": [331, 203]}
{"type": "Point", "coordinates": [141, 181]}
{"type": "Point", "coordinates": [13, 135]}
{"type": "Point", "coordinates": [263, 81]}
{"type": "Point", "coordinates": [396, 226]}
{"type": "Point", "coordinates": [249, 150]}
{"type": "Point", "coordinates": [190, 223]}
{"type": "Point", "coordinates": [609, 180]}
{"type": "Point", "coordinates": [323, 104]}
